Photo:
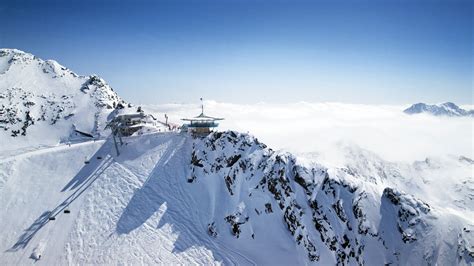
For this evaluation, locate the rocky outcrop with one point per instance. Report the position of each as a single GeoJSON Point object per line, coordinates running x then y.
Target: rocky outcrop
{"type": "Point", "coordinates": [341, 212]}
{"type": "Point", "coordinates": [411, 214]}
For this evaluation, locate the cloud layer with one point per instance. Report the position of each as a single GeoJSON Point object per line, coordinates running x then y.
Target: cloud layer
{"type": "Point", "coordinates": [322, 127]}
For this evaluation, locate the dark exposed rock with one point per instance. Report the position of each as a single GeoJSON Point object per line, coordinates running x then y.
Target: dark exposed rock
{"type": "Point", "coordinates": [268, 208]}
{"type": "Point", "coordinates": [409, 211]}
{"type": "Point", "coordinates": [211, 230]}
{"type": "Point", "coordinates": [232, 160]}
{"type": "Point", "coordinates": [195, 161]}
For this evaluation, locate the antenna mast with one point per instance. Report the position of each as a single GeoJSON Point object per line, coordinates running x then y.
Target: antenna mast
{"type": "Point", "coordinates": [202, 107]}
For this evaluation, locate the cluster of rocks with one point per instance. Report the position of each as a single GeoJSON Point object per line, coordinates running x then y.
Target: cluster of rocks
{"type": "Point", "coordinates": [336, 201]}
{"type": "Point", "coordinates": [20, 109]}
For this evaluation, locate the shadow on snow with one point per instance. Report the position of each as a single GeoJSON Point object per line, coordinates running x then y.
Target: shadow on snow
{"type": "Point", "coordinates": [175, 193]}
{"type": "Point", "coordinates": [80, 182]}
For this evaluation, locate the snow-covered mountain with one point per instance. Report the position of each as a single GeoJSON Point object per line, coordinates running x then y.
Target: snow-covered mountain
{"type": "Point", "coordinates": [443, 109]}
{"type": "Point", "coordinates": [35, 94]}
{"type": "Point", "coordinates": [170, 198]}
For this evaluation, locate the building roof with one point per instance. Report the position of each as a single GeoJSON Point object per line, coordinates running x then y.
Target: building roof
{"type": "Point", "coordinates": [131, 115]}
{"type": "Point", "coordinates": [202, 118]}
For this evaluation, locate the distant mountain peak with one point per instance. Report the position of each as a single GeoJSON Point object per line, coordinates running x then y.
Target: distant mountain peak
{"type": "Point", "coordinates": [443, 109]}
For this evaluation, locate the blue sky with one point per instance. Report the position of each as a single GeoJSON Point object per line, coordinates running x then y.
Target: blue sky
{"type": "Point", "coordinates": [243, 51]}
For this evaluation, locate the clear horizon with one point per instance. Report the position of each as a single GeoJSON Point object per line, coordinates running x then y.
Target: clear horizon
{"type": "Point", "coordinates": [152, 52]}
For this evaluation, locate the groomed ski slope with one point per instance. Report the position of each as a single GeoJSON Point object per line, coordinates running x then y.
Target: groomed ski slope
{"type": "Point", "coordinates": [130, 209]}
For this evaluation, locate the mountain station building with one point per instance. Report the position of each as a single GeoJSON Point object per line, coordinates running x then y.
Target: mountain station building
{"type": "Point", "coordinates": [201, 124]}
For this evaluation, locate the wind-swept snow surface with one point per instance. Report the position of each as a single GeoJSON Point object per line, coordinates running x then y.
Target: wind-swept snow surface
{"type": "Point", "coordinates": [170, 198]}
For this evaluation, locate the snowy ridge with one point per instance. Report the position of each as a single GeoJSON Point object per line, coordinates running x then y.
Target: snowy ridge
{"type": "Point", "coordinates": [35, 94]}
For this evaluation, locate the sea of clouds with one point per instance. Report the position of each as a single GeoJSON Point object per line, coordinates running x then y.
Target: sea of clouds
{"type": "Point", "coordinates": [323, 128]}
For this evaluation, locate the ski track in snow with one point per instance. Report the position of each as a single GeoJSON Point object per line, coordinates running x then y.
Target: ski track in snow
{"type": "Point", "coordinates": [43, 150]}
{"type": "Point", "coordinates": [42, 230]}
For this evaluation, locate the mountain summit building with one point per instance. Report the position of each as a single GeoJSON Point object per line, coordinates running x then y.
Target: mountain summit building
{"type": "Point", "coordinates": [201, 124]}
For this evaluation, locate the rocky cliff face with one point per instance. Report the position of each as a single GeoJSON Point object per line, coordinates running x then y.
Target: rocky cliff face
{"type": "Point", "coordinates": [336, 212]}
